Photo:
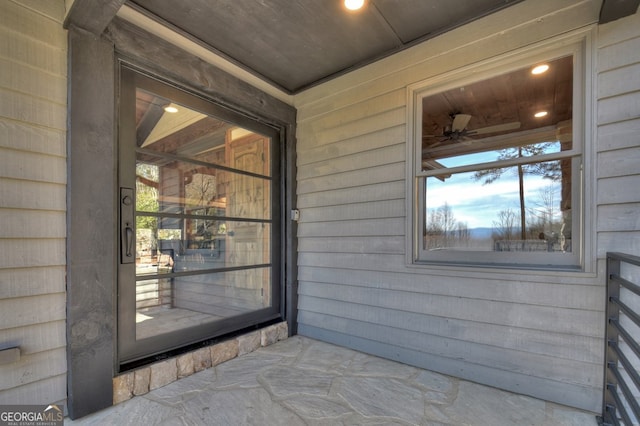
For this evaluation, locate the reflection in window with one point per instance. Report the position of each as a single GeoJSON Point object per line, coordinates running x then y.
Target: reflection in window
{"type": "Point", "coordinates": [524, 212]}
{"type": "Point", "coordinates": [497, 168]}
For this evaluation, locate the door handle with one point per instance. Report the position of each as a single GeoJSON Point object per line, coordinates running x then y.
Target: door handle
{"type": "Point", "coordinates": [127, 236]}
{"type": "Point", "coordinates": [129, 239]}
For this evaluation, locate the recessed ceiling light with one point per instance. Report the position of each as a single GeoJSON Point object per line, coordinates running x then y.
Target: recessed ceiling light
{"type": "Point", "coordinates": [540, 114]}
{"type": "Point", "coordinates": [540, 69]}
{"type": "Point", "coordinates": [353, 4]}
{"type": "Point", "coordinates": [171, 109]}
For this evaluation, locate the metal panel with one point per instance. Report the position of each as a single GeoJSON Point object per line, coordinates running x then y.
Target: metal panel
{"type": "Point", "coordinates": [620, 399]}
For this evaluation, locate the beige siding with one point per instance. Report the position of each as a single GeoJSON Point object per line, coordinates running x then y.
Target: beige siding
{"type": "Point", "coordinates": [535, 333]}
{"type": "Point", "coordinates": [33, 57]}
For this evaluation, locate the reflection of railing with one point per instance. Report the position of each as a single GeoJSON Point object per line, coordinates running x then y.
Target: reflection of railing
{"type": "Point", "coordinates": [548, 245]}
{"type": "Point", "coordinates": [622, 353]}
{"type": "Point", "coordinates": [156, 291]}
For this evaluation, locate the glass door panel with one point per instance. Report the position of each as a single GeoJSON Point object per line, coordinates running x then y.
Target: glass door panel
{"type": "Point", "coordinates": [199, 260]}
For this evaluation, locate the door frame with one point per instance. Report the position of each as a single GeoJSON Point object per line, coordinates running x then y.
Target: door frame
{"type": "Point", "coordinates": [92, 196]}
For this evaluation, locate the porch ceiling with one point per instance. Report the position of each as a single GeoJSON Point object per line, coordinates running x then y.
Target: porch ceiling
{"type": "Point", "coordinates": [298, 44]}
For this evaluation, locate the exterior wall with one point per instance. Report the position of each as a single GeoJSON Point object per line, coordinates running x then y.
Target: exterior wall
{"type": "Point", "coordinates": [618, 148]}
{"type": "Point", "coordinates": [539, 334]}
{"type": "Point", "coordinates": [33, 98]}
{"type": "Point", "coordinates": [535, 333]}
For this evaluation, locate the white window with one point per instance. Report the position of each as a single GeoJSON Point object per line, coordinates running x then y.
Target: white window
{"type": "Point", "coordinates": [497, 163]}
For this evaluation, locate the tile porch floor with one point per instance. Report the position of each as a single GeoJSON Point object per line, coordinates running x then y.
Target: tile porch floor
{"type": "Point", "coordinates": [300, 381]}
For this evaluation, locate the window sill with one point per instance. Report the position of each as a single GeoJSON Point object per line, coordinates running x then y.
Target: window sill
{"type": "Point", "coordinates": [469, 269]}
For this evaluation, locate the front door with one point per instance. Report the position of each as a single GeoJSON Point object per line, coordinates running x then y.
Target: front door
{"type": "Point", "coordinates": [199, 220]}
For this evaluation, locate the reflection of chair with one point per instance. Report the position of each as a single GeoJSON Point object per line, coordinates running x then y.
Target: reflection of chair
{"type": "Point", "coordinates": [165, 260]}
{"type": "Point", "coordinates": [166, 264]}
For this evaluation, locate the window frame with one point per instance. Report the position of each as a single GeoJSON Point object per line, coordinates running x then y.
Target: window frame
{"type": "Point", "coordinates": [580, 259]}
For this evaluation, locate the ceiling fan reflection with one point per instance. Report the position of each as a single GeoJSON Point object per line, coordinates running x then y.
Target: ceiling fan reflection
{"type": "Point", "coordinates": [459, 132]}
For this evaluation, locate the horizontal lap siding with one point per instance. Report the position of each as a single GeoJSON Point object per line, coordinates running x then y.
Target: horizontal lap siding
{"type": "Point", "coordinates": [618, 149]}
{"type": "Point", "coordinates": [536, 333]}
{"type": "Point", "coordinates": [33, 98]}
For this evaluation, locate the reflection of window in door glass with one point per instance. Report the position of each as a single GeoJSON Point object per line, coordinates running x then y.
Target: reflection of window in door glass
{"type": "Point", "coordinates": [497, 167]}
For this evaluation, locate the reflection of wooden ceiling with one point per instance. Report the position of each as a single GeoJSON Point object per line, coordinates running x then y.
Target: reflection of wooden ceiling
{"type": "Point", "coordinates": [185, 132]}
{"type": "Point", "coordinates": [510, 98]}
